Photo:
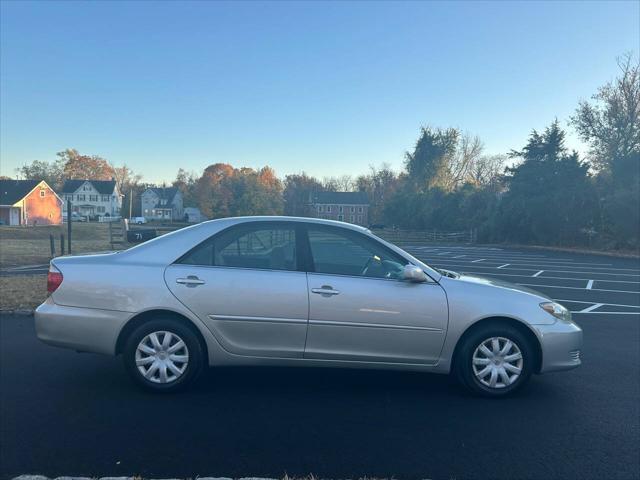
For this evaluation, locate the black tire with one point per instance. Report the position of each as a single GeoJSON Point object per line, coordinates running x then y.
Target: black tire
{"type": "Point", "coordinates": [194, 350]}
{"type": "Point", "coordinates": [463, 363]}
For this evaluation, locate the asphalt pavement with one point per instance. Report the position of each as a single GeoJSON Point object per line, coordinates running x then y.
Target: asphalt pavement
{"type": "Point", "coordinates": [65, 413]}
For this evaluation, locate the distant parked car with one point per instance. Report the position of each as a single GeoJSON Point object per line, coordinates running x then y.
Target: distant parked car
{"type": "Point", "coordinates": [76, 217]}
{"type": "Point", "coordinates": [138, 220]}
{"type": "Point", "coordinates": [299, 291]}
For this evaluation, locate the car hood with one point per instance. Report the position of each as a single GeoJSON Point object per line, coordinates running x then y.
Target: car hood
{"type": "Point", "coordinates": [469, 278]}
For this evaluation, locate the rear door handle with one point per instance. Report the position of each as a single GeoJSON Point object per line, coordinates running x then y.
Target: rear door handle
{"type": "Point", "coordinates": [325, 290]}
{"type": "Point", "coordinates": [190, 281]}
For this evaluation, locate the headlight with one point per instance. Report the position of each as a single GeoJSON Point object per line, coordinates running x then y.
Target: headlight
{"type": "Point", "coordinates": [556, 310]}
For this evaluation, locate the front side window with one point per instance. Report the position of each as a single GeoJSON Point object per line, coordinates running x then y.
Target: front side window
{"type": "Point", "coordinates": [342, 252]}
{"type": "Point", "coordinates": [255, 246]}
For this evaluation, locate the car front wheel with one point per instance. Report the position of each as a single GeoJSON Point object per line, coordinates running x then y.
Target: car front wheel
{"type": "Point", "coordinates": [163, 355]}
{"type": "Point", "coordinates": [495, 361]}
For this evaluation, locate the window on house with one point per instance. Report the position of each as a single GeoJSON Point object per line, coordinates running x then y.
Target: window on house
{"type": "Point", "coordinates": [359, 209]}
{"type": "Point", "coordinates": [353, 209]}
{"type": "Point", "coordinates": [101, 210]}
{"type": "Point", "coordinates": [353, 218]}
{"type": "Point", "coordinates": [105, 198]}
{"type": "Point", "coordinates": [359, 218]}
{"type": "Point", "coordinates": [320, 208]}
{"type": "Point", "coordinates": [93, 198]}
{"type": "Point", "coordinates": [253, 246]}
{"type": "Point", "coordinates": [81, 197]}
{"type": "Point", "coordinates": [341, 209]}
{"type": "Point", "coordinates": [340, 218]}
{"type": "Point", "coordinates": [328, 208]}
{"type": "Point", "coordinates": [42, 193]}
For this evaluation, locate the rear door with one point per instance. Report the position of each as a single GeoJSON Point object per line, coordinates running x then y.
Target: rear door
{"type": "Point", "coordinates": [245, 285]}
{"type": "Point", "coordinates": [361, 310]}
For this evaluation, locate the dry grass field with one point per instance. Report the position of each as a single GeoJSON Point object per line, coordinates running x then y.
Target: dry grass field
{"type": "Point", "coordinates": [30, 245]}
{"type": "Point", "coordinates": [22, 292]}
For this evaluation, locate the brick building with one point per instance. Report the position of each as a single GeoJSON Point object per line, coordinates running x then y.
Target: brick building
{"type": "Point", "coordinates": [29, 202]}
{"type": "Point", "coordinates": [351, 207]}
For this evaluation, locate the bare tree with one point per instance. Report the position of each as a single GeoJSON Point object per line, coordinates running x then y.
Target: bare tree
{"type": "Point", "coordinates": [611, 123]}
{"type": "Point", "coordinates": [462, 162]}
{"type": "Point", "coordinates": [486, 170]}
{"type": "Point", "coordinates": [344, 183]}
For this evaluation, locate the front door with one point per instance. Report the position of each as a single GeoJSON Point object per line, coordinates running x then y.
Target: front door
{"type": "Point", "coordinates": [361, 310]}
{"type": "Point", "coordinates": [14, 214]}
{"type": "Point", "coordinates": [244, 284]}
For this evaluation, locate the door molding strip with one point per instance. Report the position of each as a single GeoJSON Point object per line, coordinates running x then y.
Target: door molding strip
{"type": "Point", "coordinates": [373, 325]}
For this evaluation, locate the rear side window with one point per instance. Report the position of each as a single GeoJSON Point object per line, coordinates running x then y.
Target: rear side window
{"type": "Point", "coordinates": [253, 246]}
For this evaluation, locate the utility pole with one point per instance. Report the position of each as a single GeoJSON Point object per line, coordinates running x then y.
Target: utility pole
{"type": "Point", "coordinates": [69, 226]}
{"type": "Point", "coordinates": [130, 202]}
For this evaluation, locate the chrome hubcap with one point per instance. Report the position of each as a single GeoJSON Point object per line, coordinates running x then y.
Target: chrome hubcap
{"type": "Point", "coordinates": [162, 357]}
{"type": "Point", "coordinates": [497, 362]}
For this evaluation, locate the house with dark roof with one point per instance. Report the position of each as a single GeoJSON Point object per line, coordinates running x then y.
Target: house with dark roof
{"type": "Point", "coordinates": [351, 207]}
{"type": "Point", "coordinates": [29, 202]}
{"type": "Point", "coordinates": [92, 198]}
{"type": "Point", "coordinates": [162, 203]}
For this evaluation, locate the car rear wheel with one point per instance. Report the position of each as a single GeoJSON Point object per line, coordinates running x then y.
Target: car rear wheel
{"type": "Point", "coordinates": [495, 361]}
{"type": "Point", "coordinates": [163, 355]}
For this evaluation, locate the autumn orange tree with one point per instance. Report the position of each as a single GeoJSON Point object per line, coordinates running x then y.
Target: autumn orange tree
{"type": "Point", "coordinates": [224, 191]}
{"type": "Point", "coordinates": [84, 166]}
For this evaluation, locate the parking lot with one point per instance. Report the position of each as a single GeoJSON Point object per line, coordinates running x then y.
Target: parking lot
{"type": "Point", "coordinates": [64, 413]}
{"type": "Point", "coordinates": [595, 284]}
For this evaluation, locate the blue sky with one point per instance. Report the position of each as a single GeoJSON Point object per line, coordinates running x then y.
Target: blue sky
{"type": "Point", "coordinates": [328, 88]}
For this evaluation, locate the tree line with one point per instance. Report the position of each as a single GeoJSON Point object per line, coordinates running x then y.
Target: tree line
{"type": "Point", "coordinates": [540, 193]}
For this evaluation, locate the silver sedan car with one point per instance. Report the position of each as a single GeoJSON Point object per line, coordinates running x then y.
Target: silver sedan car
{"type": "Point", "coordinates": [299, 292]}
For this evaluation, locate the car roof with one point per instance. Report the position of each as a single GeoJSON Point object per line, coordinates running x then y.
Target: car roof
{"type": "Point", "coordinates": [284, 218]}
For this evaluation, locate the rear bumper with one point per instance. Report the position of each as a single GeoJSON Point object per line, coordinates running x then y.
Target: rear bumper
{"type": "Point", "coordinates": [85, 329]}
{"type": "Point", "coordinates": [561, 346]}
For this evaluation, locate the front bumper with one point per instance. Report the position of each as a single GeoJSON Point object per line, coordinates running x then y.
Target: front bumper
{"type": "Point", "coordinates": [561, 344]}
{"type": "Point", "coordinates": [83, 329]}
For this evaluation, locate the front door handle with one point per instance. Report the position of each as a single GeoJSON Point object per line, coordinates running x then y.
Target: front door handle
{"type": "Point", "coordinates": [190, 281]}
{"type": "Point", "coordinates": [325, 290]}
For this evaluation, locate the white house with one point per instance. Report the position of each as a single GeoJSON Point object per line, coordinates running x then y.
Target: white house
{"type": "Point", "coordinates": [92, 197]}
{"type": "Point", "coordinates": [162, 203]}
{"type": "Point", "coordinates": [194, 215]}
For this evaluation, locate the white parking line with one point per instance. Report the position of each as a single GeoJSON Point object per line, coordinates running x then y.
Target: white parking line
{"type": "Point", "coordinates": [591, 303]}
{"type": "Point", "coordinates": [448, 265]}
{"type": "Point", "coordinates": [536, 274]}
{"type": "Point", "coordinates": [608, 313]}
{"type": "Point", "coordinates": [476, 261]}
{"type": "Point", "coordinates": [592, 307]}
{"type": "Point", "coordinates": [460, 256]}
{"type": "Point", "coordinates": [576, 288]}
{"type": "Point", "coordinates": [492, 274]}
{"type": "Point", "coordinates": [589, 284]}
{"type": "Point", "coordinates": [505, 265]}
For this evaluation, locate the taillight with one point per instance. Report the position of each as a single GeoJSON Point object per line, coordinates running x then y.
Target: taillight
{"type": "Point", "coordinates": [54, 279]}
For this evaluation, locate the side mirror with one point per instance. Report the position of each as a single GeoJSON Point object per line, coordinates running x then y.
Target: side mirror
{"type": "Point", "coordinates": [411, 273]}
